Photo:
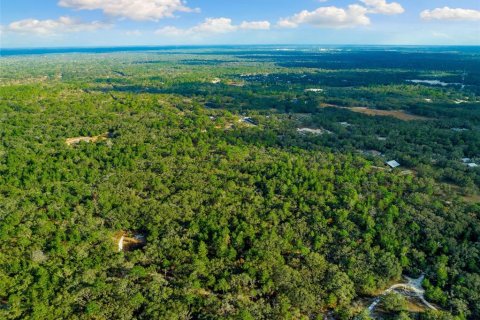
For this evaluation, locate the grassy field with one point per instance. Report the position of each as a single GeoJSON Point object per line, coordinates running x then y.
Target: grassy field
{"type": "Point", "coordinates": [399, 114]}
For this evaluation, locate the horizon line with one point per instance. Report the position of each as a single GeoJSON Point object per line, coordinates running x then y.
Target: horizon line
{"type": "Point", "coordinates": [236, 45]}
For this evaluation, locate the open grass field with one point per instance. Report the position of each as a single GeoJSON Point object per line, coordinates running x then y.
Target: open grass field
{"type": "Point", "coordinates": [399, 114]}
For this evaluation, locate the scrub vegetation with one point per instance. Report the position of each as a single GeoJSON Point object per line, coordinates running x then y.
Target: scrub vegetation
{"type": "Point", "coordinates": [240, 215]}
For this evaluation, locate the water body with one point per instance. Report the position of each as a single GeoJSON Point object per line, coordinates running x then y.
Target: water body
{"type": "Point", "coordinates": [4, 52]}
{"type": "Point", "coordinates": [43, 51]}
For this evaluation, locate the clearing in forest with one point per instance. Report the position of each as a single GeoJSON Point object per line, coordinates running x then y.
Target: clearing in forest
{"type": "Point", "coordinates": [399, 114]}
{"type": "Point", "coordinates": [471, 197]}
{"type": "Point", "coordinates": [77, 140]}
{"type": "Point", "coordinates": [128, 241]}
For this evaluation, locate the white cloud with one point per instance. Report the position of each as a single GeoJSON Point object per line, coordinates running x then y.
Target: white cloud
{"type": "Point", "coordinates": [287, 23]}
{"type": "Point", "coordinates": [329, 17]}
{"type": "Point", "coordinates": [48, 27]}
{"type": "Point", "coordinates": [255, 25]}
{"type": "Point", "coordinates": [132, 9]}
{"type": "Point", "coordinates": [453, 14]}
{"type": "Point", "coordinates": [214, 26]}
{"type": "Point", "coordinates": [382, 7]}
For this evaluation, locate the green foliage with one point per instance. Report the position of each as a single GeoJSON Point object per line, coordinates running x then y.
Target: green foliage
{"type": "Point", "coordinates": [241, 221]}
{"type": "Point", "coordinates": [394, 303]}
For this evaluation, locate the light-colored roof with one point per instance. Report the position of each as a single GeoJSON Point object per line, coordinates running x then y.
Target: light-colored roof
{"type": "Point", "coordinates": [248, 121]}
{"type": "Point", "coordinates": [310, 130]}
{"type": "Point", "coordinates": [393, 164]}
{"type": "Point", "coordinates": [313, 90]}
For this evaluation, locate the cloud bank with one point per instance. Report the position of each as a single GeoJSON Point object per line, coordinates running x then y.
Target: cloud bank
{"type": "Point", "coordinates": [214, 26]}
{"type": "Point", "coordinates": [452, 14]}
{"type": "Point", "coordinates": [49, 27]}
{"type": "Point", "coordinates": [333, 17]}
{"type": "Point", "coordinates": [132, 9]}
{"type": "Point", "coordinates": [329, 17]}
{"type": "Point", "coordinates": [382, 7]}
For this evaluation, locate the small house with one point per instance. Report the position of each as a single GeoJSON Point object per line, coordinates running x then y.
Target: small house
{"type": "Point", "coordinates": [316, 90]}
{"type": "Point", "coordinates": [393, 164]}
{"type": "Point", "coordinates": [309, 130]}
{"type": "Point", "coordinates": [248, 121]}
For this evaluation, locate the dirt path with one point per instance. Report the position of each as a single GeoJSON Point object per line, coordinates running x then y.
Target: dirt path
{"type": "Point", "coordinates": [413, 285]}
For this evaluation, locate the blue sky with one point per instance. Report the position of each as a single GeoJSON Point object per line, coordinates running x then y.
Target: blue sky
{"type": "Point", "coordinates": [46, 23]}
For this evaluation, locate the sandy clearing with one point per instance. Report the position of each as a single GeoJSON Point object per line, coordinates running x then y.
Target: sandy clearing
{"type": "Point", "coordinates": [77, 140]}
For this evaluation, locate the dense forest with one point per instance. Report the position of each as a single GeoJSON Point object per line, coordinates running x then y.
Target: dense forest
{"type": "Point", "coordinates": [255, 178]}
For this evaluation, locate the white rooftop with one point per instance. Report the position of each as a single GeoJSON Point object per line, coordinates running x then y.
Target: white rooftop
{"type": "Point", "coordinates": [393, 164]}
{"type": "Point", "coordinates": [310, 130]}
{"type": "Point", "coordinates": [313, 90]}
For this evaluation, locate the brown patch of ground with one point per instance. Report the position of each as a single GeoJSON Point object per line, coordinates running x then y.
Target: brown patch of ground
{"type": "Point", "coordinates": [236, 83]}
{"type": "Point", "coordinates": [398, 114]}
{"type": "Point", "coordinates": [472, 198]}
{"type": "Point", "coordinates": [128, 242]}
{"type": "Point", "coordinates": [414, 305]}
{"type": "Point", "coordinates": [225, 126]}
{"type": "Point", "coordinates": [77, 140]}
